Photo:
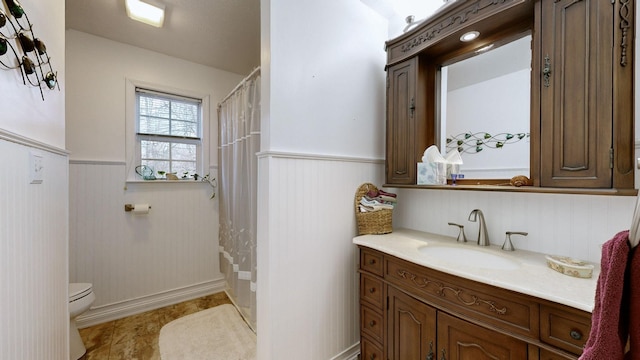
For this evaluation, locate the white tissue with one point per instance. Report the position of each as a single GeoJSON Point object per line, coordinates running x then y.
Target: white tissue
{"type": "Point", "coordinates": [432, 170]}
{"type": "Point", "coordinates": [454, 160]}
{"type": "Point", "coordinates": [432, 154]}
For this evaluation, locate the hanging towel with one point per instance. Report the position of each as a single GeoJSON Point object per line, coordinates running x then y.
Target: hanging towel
{"type": "Point", "coordinates": [609, 329]}
{"type": "Point", "coordinates": [633, 282]}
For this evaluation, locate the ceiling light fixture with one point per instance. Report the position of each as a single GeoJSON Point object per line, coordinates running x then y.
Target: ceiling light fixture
{"type": "Point", "coordinates": [469, 36]}
{"type": "Point", "coordinates": [146, 12]}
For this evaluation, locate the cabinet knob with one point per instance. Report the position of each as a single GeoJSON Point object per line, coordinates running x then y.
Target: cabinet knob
{"type": "Point", "coordinates": [372, 357]}
{"type": "Point", "coordinates": [372, 262]}
{"type": "Point", "coordinates": [372, 290]}
{"type": "Point", "coordinates": [575, 334]}
{"type": "Point", "coordinates": [372, 323]}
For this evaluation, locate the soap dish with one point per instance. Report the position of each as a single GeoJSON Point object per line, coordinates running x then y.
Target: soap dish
{"type": "Point", "coordinates": [568, 266]}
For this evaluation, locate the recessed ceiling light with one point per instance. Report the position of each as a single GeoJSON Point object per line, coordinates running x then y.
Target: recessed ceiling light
{"type": "Point", "coordinates": [469, 36]}
{"type": "Point", "coordinates": [146, 12]}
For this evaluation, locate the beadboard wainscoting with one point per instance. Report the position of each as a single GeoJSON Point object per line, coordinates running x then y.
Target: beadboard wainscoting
{"type": "Point", "coordinates": [307, 264]}
{"type": "Point", "coordinates": [558, 224]}
{"type": "Point", "coordinates": [139, 262]}
{"type": "Point", "coordinates": [33, 251]}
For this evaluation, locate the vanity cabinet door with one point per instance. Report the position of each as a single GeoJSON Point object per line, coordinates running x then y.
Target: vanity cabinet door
{"type": "Point", "coordinates": [407, 132]}
{"type": "Point", "coordinates": [576, 97]}
{"type": "Point", "coordinates": [411, 328]}
{"type": "Point", "coordinates": [461, 340]}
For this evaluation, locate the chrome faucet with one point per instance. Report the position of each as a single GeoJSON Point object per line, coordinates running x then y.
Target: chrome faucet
{"type": "Point", "coordinates": [483, 237]}
{"type": "Point", "coordinates": [508, 245]}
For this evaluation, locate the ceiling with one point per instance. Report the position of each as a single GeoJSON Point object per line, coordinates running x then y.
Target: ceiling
{"type": "Point", "coordinates": [224, 34]}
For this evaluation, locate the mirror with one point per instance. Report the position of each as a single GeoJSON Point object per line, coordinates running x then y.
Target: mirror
{"type": "Point", "coordinates": [485, 113]}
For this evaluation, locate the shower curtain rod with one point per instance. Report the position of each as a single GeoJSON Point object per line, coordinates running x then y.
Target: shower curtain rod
{"type": "Point", "coordinates": [239, 85]}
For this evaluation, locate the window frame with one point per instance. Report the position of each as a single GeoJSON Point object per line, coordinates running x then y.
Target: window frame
{"type": "Point", "coordinates": [133, 138]}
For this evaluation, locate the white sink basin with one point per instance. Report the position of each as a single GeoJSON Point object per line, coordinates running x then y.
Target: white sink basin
{"type": "Point", "coordinates": [467, 256]}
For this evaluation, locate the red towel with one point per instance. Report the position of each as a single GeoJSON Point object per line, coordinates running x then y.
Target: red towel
{"type": "Point", "coordinates": [609, 330]}
{"type": "Point", "coordinates": [634, 305]}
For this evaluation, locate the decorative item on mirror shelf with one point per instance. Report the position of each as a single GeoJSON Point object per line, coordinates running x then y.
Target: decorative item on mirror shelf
{"type": "Point", "coordinates": [374, 209]}
{"type": "Point", "coordinates": [520, 180]}
{"type": "Point", "coordinates": [517, 181]}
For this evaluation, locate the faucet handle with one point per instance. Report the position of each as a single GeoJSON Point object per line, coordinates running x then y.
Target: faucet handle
{"type": "Point", "coordinates": [508, 246]}
{"type": "Point", "coordinates": [461, 236]}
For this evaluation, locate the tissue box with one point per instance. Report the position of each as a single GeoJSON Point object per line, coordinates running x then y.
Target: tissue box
{"type": "Point", "coordinates": [432, 173]}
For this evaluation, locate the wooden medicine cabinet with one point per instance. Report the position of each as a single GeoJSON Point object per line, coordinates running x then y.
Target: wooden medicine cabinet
{"type": "Point", "coordinates": [581, 125]}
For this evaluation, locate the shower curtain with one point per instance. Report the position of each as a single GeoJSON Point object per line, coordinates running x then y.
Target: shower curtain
{"type": "Point", "coordinates": [239, 141]}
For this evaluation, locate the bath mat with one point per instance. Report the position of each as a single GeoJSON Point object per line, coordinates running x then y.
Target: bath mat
{"type": "Point", "coordinates": [218, 333]}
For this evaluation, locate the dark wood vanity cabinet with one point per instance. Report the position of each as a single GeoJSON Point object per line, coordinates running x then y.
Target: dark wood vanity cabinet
{"type": "Point", "coordinates": [411, 312]}
{"type": "Point", "coordinates": [582, 73]}
{"type": "Point", "coordinates": [412, 334]}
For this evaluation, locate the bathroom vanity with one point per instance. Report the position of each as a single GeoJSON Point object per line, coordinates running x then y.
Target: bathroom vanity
{"type": "Point", "coordinates": [418, 300]}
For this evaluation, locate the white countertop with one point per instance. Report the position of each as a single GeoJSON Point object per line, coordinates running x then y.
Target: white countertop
{"type": "Point", "coordinates": [533, 277]}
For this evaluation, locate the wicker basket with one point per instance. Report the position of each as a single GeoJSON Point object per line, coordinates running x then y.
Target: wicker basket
{"type": "Point", "coordinates": [375, 222]}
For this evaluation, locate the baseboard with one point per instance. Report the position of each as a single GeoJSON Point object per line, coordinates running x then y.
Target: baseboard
{"type": "Point", "coordinates": [351, 353]}
{"type": "Point", "coordinates": [110, 312]}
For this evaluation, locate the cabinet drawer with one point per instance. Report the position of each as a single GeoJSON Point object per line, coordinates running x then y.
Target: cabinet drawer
{"type": "Point", "coordinates": [480, 302]}
{"type": "Point", "coordinates": [370, 350]}
{"type": "Point", "coordinates": [548, 355]}
{"type": "Point", "coordinates": [564, 327]}
{"type": "Point", "coordinates": [371, 290]}
{"type": "Point", "coordinates": [371, 262]}
{"type": "Point", "coordinates": [372, 323]}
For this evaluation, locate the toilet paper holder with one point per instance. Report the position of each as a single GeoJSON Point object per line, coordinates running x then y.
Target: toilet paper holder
{"type": "Point", "coordinates": [130, 207]}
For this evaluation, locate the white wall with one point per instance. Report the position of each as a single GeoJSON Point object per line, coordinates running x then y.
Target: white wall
{"type": "Point", "coordinates": [326, 72]}
{"type": "Point", "coordinates": [33, 217]}
{"type": "Point", "coordinates": [323, 94]}
{"type": "Point", "coordinates": [135, 262]}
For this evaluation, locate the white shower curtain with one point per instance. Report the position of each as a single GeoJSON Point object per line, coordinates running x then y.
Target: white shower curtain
{"type": "Point", "coordinates": [239, 141]}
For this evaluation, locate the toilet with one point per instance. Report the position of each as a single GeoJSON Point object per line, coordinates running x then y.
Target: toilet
{"type": "Point", "coordinates": [80, 299]}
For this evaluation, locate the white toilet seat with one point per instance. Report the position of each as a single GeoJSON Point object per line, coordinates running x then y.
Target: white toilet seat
{"type": "Point", "coordinates": [79, 290]}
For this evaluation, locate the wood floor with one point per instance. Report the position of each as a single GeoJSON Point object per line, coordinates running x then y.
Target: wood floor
{"type": "Point", "coordinates": [136, 337]}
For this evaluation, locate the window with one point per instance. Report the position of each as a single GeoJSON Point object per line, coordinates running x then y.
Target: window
{"type": "Point", "coordinates": [165, 131]}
